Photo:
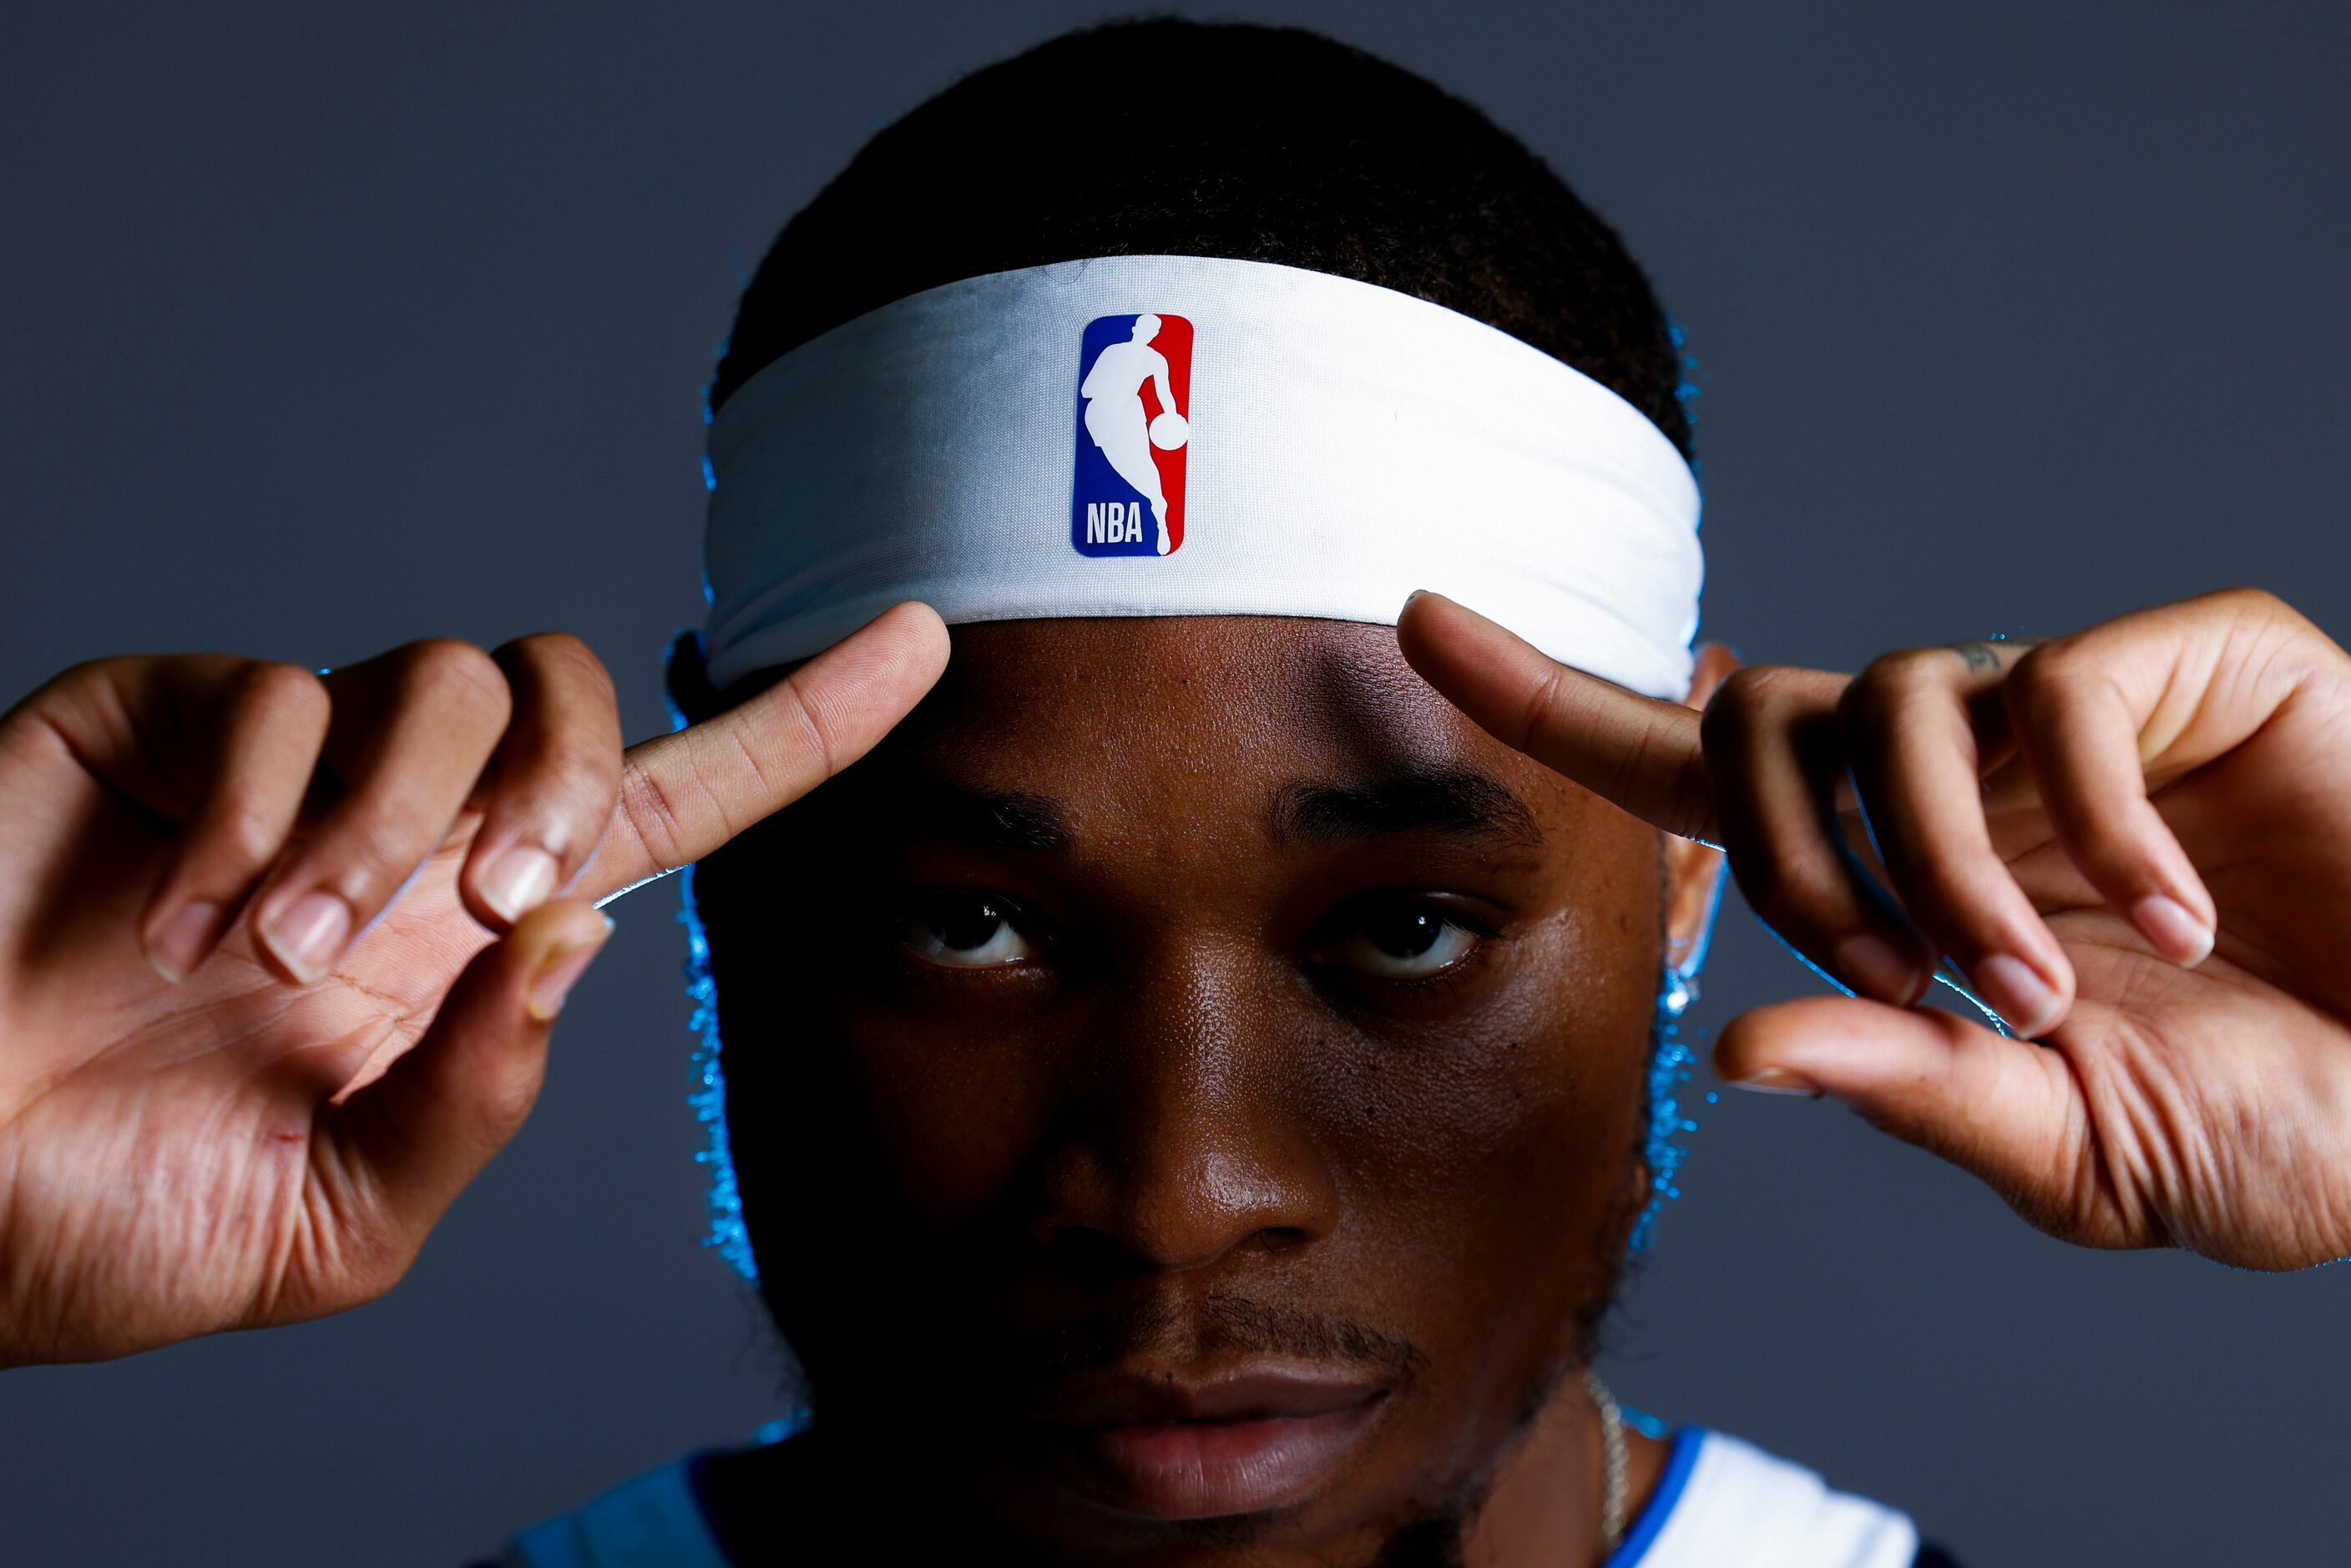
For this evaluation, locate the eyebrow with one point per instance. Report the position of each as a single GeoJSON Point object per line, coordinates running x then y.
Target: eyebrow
{"type": "Point", "coordinates": [1466, 802]}
{"type": "Point", "coordinates": [993, 820]}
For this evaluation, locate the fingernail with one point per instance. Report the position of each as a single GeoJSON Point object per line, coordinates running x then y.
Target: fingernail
{"type": "Point", "coordinates": [177, 944]}
{"type": "Point", "coordinates": [309, 934]}
{"type": "Point", "coordinates": [563, 970]}
{"type": "Point", "coordinates": [518, 880]}
{"type": "Point", "coordinates": [1871, 966]}
{"type": "Point", "coordinates": [2177, 934]}
{"type": "Point", "coordinates": [1777, 1081]}
{"type": "Point", "coordinates": [2018, 994]}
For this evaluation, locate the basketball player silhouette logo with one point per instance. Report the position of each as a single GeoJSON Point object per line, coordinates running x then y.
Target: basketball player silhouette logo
{"type": "Point", "coordinates": [1134, 375]}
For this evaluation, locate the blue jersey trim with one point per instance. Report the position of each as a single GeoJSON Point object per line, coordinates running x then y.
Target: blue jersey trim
{"type": "Point", "coordinates": [657, 1518]}
{"type": "Point", "coordinates": [1680, 1459]}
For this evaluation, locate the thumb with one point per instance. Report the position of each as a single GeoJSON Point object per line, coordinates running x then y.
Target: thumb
{"type": "Point", "coordinates": [409, 1143]}
{"type": "Point", "coordinates": [2005, 1110]}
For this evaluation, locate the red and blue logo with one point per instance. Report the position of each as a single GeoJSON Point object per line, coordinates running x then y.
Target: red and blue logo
{"type": "Point", "coordinates": [1134, 404]}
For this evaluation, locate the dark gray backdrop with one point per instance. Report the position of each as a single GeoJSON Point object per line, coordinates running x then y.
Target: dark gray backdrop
{"type": "Point", "coordinates": [321, 330]}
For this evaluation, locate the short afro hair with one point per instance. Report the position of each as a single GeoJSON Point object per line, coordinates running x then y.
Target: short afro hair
{"type": "Point", "coordinates": [1173, 138]}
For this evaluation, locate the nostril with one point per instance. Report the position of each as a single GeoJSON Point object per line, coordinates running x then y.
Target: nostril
{"type": "Point", "coordinates": [1281, 1237]}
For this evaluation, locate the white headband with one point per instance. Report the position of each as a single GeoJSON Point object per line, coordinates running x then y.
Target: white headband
{"type": "Point", "coordinates": [999, 448]}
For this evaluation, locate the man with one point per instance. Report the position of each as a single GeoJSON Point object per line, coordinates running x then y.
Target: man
{"type": "Point", "coordinates": [1186, 1088]}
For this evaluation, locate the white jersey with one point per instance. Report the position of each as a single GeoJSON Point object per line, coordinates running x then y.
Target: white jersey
{"type": "Point", "coordinates": [1720, 1503]}
{"type": "Point", "coordinates": [1724, 1503]}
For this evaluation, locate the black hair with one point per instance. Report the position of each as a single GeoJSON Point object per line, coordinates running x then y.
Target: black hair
{"type": "Point", "coordinates": [1173, 138]}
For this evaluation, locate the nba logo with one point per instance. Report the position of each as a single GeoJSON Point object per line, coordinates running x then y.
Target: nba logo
{"type": "Point", "coordinates": [1134, 394]}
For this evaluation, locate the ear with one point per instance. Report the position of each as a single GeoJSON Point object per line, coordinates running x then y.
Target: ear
{"type": "Point", "coordinates": [1693, 870]}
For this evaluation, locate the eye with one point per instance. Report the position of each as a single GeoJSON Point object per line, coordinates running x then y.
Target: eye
{"type": "Point", "coordinates": [967, 931]}
{"type": "Point", "coordinates": [1401, 939]}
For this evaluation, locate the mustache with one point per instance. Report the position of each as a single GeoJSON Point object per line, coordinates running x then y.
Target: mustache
{"type": "Point", "coordinates": [1220, 1324]}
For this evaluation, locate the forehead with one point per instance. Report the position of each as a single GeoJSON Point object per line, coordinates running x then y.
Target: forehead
{"type": "Point", "coordinates": [1213, 713]}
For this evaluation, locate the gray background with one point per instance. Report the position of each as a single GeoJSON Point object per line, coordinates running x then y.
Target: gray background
{"type": "Point", "coordinates": [321, 330]}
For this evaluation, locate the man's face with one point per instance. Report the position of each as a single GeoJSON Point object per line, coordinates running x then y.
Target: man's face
{"type": "Point", "coordinates": [1186, 1086]}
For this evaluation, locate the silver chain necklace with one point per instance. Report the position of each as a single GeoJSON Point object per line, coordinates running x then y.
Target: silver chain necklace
{"type": "Point", "coordinates": [1611, 1464]}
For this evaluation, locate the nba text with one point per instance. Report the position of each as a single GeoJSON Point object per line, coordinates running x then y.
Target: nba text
{"type": "Point", "coordinates": [1109, 523]}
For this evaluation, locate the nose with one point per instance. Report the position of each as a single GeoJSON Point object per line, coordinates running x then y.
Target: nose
{"type": "Point", "coordinates": [1187, 1145]}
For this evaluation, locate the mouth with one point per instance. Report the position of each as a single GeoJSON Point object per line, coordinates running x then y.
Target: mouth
{"type": "Point", "coordinates": [1167, 1447]}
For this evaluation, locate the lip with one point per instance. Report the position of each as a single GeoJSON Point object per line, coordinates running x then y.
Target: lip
{"type": "Point", "coordinates": [1162, 1445]}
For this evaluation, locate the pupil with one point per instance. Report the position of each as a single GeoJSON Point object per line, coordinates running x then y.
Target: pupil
{"type": "Point", "coordinates": [1407, 935]}
{"type": "Point", "coordinates": [969, 926]}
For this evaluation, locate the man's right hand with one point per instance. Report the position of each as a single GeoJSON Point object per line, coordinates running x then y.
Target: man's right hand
{"type": "Point", "coordinates": [279, 952]}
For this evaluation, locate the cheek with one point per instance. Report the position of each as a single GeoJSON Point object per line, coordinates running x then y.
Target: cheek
{"type": "Point", "coordinates": [832, 1085]}
{"type": "Point", "coordinates": [883, 1131]}
{"type": "Point", "coordinates": [1492, 1161]}
{"type": "Point", "coordinates": [1491, 1165]}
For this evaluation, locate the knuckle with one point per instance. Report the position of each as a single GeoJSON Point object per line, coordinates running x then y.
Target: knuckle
{"type": "Point", "coordinates": [653, 817]}
{"type": "Point", "coordinates": [1905, 669]}
{"type": "Point", "coordinates": [560, 651]}
{"type": "Point", "coordinates": [377, 850]}
{"type": "Point", "coordinates": [1749, 684]}
{"type": "Point", "coordinates": [2255, 602]}
{"type": "Point", "coordinates": [1543, 701]}
{"type": "Point", "coordinates": [1870, 703]}
{"type": "Point", "coordinates": [96, 686]}
{"type": "Point", "coordinates": [118, 668]}
{"type": "Point", "coordinates": [2106, 846]}
{"type": "Point", "coordinates": [506, 1104]}
{"type": "Point", "coordinates": [572, 793]}
{"type": "Point", "coordinates": [1945, 894]}
{"type": "Point", "coordinates": [1753, 706]}
{"type": "Point", "coordinates": [1692, 800]}
{"type": "Point", "coordinates": [580, 765]}
{"type": "Point", "coordinates": [2055, 714]}
{"type": "Point", "coordinates": [565, 747]}
{"type": "Point", "coordinates": [451, 670]}
{"type": "Point", "coordinates": [246, 832]}
{"type": "Point", "coordinates": [1891, 682]}
{"type": "Point", "coordinates": [1785, 894]}
{"type": "Point", "coordinates": [2113, 864]}
{"type": "Point", "coordinates": [2048, 679]}
{"type": "Point", "coordinates": [1735, 710]}
{"type": "Point", "coordinates": [817, 731]}
{"type": "Point", "coordinates": [2264, 615]}
{"type": "Point", "coordinates": [283, 693]}
{"type": "Point", "coordinates": [1763, 687]}
{"type": "Point", "coordinates": [1881, 724]}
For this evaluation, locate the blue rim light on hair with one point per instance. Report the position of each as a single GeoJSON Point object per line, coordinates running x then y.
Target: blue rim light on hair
{"type": "Point", "coordinates": [1689, 378]}
{"type": "Point", "coordinates": [1670, 1060]}
{"type": "Point", "coordinates": [727, 1235]}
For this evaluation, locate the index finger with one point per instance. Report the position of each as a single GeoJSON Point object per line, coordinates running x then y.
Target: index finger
{"type": "Point", "coordinates": [1640, 753]}
{"type": "Point", "coordinates": [684, 795]}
